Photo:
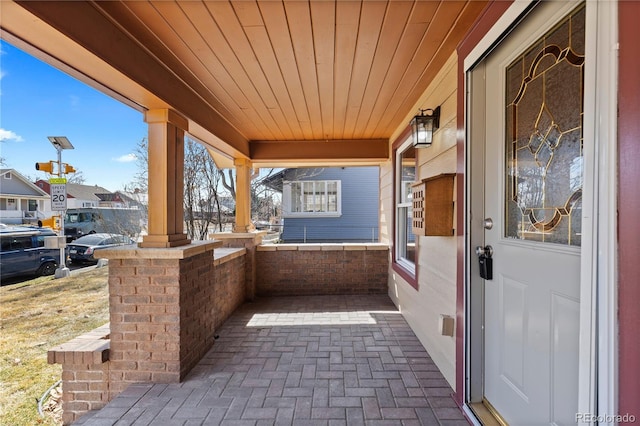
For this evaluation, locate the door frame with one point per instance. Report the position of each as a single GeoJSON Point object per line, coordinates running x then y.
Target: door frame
{"type": "Point", "coordinates": [598, 378]}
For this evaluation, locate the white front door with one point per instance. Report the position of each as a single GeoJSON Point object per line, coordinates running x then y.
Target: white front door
{"type": "Point", "coordinates": [533, 196]}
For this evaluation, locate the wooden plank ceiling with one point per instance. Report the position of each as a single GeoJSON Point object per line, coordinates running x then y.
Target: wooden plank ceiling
{"type": "Point", "coordinates": [267, 71]}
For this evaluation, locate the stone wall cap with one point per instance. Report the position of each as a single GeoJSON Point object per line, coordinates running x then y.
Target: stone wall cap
{"type": "Point", "coordinates": [91, 348]}
{"type": "Point", "coordinates": [331, 247]}
{"type": "Point", "coordinates": [233, 235]}
{"type": "Point", "coordinates": [355, 246]}
{"type": "Point", "coordinates": [324, 247]}
{"type": "Point", "coordinates": [309, 247]}
{"type": "Point", "coordinates": [378, 246]}
{"type": "Point", "coordinates": [287, 247]}
{"type": "Point", "coordinates": [180, 252]}
{"type": "Point", "coordinates": [223, 255]}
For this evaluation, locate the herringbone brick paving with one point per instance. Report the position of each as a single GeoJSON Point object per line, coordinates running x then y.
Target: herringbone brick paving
{"type": "Point", "coordinates": [321, 360]}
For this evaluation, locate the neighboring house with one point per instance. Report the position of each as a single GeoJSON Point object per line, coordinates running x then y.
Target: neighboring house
{"type": "Point", "coordinates": [92, 196]}
{"type": "Point", "coordinates": [333, 204]}
{"type": "Point", "coordinates": [20, 200]}
{"type": "Point", "coordinates": [136, 199]}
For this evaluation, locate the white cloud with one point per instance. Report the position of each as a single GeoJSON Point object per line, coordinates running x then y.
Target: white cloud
{"type": "Point", "coordinates": [8, 135]}
{"type": "Point", "coordinates": [127, 158]}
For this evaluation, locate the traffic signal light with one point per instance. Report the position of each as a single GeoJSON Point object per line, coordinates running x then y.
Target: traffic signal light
{"type": "Point", "coordinates": [45, 167]}
{"type": "Point", "coordinates": [68, 168]}
{"type": "Point", "coordinates": [53, 222]}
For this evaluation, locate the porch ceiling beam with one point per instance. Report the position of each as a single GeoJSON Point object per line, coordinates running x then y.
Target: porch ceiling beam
{"type": "Point", "coordinates": [336, 151]}
{"type": "Point", "coordinates": [158, 86]}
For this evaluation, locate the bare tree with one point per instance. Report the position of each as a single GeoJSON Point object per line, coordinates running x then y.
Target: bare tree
{"type": "Point", "coordinates": [77, 177]}
{"type": "Point", "coordinates": [209, 192]}
{"type": "Point", "coordinates": [140, 183]}
{"type": "Point", "coordinates": [202, 188]}
{"type": "Point", "coordinates": [229, 182]}
{"type": "Point", "coordinates": [263, 203]}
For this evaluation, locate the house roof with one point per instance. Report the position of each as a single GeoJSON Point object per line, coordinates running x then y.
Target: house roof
{"type": "Point", "coordinates": [86, 192]}
{"type": "Point", "coordinates": [283, 83]}
{"type": "Point", "coordinates": [276, 180]}
{"type": "Point", "coordinates": [82, 192]}
{"type": "Point", "coordinates": [14, 183]}
{"type": "Point", "coordinates": [112, 196]}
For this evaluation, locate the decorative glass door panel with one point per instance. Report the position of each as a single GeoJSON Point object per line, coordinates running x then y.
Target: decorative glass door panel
{"type": "Point", "coordinates": [544, 137]}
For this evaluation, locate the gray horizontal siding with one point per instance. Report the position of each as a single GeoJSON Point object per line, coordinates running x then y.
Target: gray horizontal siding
{"type": "Point", "coordinates": [15, 186]}
{"type": "Point", "coordinates": [359, 219]}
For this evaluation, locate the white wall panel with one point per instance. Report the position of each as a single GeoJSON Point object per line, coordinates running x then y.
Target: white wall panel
{"type": "Point", "coordinates": [436, 267]}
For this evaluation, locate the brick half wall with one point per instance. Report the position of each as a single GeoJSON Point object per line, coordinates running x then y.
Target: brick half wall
{"type": "Point", "coordinates": [164, 309]}
{"type": "Point", "coordinates": [164, 313]}
{"type": "Point", "coordinates": [320, 269]}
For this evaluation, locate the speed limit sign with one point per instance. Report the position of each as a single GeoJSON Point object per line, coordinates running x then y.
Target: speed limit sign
{"type": "Point", "coordinates": [58, 195]}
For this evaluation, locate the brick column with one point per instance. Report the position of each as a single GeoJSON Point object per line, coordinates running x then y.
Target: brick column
{"type": "Point", "coordinates": [160, 302]}
{"type": "Point", "coordinates": [249, 241]}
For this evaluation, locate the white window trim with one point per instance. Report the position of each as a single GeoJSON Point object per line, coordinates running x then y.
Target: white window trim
{"type": "Point", "coordinates": [286, 201]}
{"type": "Point", "coordinates": [400, 202]}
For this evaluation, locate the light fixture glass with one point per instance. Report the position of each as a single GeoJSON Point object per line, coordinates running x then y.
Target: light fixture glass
{"type": "Point", "coordinates": [423, 126]}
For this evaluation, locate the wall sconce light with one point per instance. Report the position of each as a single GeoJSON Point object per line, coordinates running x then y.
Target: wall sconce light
{"type": "Point", "coordinates": [423, 126]}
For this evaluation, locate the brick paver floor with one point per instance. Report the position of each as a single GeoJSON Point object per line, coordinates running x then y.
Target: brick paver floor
{"type": "Point", "coordinates": [321, 360]}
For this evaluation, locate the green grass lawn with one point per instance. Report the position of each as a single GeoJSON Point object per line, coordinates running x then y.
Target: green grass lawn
{"type": "Point", "coordinates": [35, 316]}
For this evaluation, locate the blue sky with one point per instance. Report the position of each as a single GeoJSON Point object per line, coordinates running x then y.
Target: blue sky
{"type": "Point", "coordinates": [37, 100]}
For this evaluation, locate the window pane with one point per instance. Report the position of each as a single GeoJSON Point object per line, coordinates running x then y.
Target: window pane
{"type": "Point", "coordinates": [544, 138]}
{"type": "Point", "coordinates": [321, 197]}
{"type": "Point", "coordinates": [296, 197]}
{"type": "Point", "coordinates": [405, 177]}
{"type": "Point", "coordinates": [21, 243]}
{"type": "Point", "coordinates": [332, 195]}
{"type": "Point", "coordinates": [308, 196]}
{"type": "Point", "coordinates": [406, 240]}
{"type": "Point", "coordinates": [408, 173]}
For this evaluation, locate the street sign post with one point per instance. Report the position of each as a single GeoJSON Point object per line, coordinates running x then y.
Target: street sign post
{"type": "Point", "coordinates": [59, 198]}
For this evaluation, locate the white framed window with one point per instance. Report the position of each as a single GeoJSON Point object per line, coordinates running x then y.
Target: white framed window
{"type": "Point", "coordinates": [311, 198]}
{"type": "Point", "coordinates": [405, 176]}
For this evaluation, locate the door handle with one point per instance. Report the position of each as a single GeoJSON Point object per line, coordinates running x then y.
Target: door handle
{"type": "Point", "coordinates": [484, 251]}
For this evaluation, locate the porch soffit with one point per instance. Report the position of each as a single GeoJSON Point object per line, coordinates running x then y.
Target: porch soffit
{"type": "Point", "coordinates": [280, 82]}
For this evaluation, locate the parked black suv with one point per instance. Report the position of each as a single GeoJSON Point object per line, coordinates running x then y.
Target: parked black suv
{"type": "Point", "coordinates": [22, 252]}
